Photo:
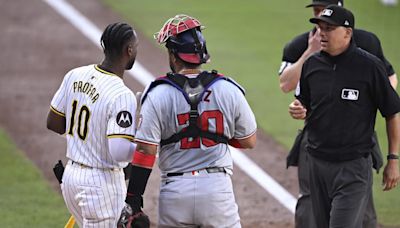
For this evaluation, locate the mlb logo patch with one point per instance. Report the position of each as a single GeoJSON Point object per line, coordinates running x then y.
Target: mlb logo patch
{"type": "Point", "coordinates": [327, 12]}
{"type": "Point", "coordinates": [350, 94]}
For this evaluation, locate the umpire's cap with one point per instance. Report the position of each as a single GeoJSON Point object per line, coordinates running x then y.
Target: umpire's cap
{"type": "Point", "coordinates": [335, 15]}
{"type": "Point", "coordinates": [182, 35]}
{"type": "Point", "coordinates": [325, 3]}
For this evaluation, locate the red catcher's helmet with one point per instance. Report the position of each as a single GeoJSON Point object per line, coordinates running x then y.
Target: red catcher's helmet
{"type": "Point", "coordinates": [182, 35]}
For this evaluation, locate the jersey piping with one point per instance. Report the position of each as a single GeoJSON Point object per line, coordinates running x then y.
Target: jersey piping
{"type": "Point", "coordinates": [130, 137]}
{"type": "Point", "coordinates": [103, 71]}
{"type": "Point", "coordinates": [56, 111]}
{"type": "Point", "coordinates": [147, 142]}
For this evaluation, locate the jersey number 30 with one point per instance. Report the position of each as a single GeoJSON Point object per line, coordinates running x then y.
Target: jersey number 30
{"type": "Point", "coordinates": [205, 117]}
{"type": "Point", "coordinates": [83, 119]}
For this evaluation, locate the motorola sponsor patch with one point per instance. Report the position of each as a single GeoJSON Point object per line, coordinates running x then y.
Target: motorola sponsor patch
{"type": "Point", "coordinates": [124, 119]}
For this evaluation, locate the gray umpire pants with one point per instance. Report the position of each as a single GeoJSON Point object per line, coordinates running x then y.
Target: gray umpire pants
{"type": "Point", "coordinates": [304, 217]}
{"type": "Point", "coordinates": [340, 191]}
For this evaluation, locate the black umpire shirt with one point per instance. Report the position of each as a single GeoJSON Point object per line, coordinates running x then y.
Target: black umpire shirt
{"type": "Point", "coordinates": [365, 40]}
{"type": "Point", "coordinates": [342, 94]}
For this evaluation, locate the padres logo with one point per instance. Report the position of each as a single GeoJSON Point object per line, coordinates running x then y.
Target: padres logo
{"type": "Point", "coordinates": [124, 119]}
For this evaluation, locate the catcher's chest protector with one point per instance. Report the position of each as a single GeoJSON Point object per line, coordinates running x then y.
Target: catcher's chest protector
{"type": "Point", "coordinates": [193, 90]}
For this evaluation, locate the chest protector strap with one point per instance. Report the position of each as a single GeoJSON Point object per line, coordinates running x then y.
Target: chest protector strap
{"type": "Point", "coordinates": [193, 90]}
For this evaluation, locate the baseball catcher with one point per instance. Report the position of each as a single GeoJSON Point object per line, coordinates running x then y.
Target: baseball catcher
{"type": "Point", "coordinates": [190, 116]}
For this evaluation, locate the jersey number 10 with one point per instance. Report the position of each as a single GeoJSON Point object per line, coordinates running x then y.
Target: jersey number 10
{"type": "Point", "coordinates": [83, 119]}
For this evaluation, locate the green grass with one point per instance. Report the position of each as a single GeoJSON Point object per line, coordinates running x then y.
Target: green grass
{"type": "Point", "coordinates": [245, 40]}
{"type": "Point", "coordinates": [26, 198]}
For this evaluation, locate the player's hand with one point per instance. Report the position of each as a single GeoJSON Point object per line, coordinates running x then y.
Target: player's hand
{"type": "Point", "coordinates": [314, 42]}
{"type": "Point", "coordinates": [297, 110]}
{"type": "Point", "coordinates": [391, 175]}
{"type": "Point", "coordinates": [131, 219]}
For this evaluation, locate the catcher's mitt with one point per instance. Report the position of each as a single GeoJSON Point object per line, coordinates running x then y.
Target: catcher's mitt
{"type": "Point", "coordinates": [129, 219]}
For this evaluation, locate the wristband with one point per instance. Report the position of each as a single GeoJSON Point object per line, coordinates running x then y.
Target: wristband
{"type": "Point", "coordinates": [392, 156]}
{"type": "Point", "coordinates": [143, 160]}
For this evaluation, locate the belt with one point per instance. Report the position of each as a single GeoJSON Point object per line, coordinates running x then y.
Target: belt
{"type": "Point", "coordinates": [88, 167]}
{"type": "Point", "coordinates": [193, 173]}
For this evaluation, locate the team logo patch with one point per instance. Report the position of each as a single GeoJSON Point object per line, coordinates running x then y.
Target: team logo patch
{"type": "Point", "coordinates": [124, 119]}
{"type": "Point", "coordinates": [350, 94]}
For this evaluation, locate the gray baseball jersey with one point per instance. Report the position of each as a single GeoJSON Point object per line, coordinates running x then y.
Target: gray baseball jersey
{"type": "Point", "coordinates": [97, 105]}
{"type": "Point", "coordinates": [165, 112]}
{"type": "Point", "coordinates": [194, 195]}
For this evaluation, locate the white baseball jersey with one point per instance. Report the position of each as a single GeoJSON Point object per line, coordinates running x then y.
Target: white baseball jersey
{"type": "Point", "coordinates": [97, 105]}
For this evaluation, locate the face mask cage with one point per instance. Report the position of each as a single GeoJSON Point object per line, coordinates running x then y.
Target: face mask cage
{"type": "Point", "coordinates": [176, 25]}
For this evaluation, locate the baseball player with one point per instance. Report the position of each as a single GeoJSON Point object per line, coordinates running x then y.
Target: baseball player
{"type": "Point", "coordinates": [294, 55]}
{"type": "Point", "coordinates": [191, 116]}
{"type": "Point", "coordinates": [95, 111]}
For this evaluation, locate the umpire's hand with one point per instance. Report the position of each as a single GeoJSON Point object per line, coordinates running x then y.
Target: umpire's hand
{"type": "Point", "coordinates": [297, 110]}
{"type": "Point", "coordinates": [391, 175]}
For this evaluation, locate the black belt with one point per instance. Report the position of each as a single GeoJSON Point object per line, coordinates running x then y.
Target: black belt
{"type": "Point", "coordinates": [209, 170]}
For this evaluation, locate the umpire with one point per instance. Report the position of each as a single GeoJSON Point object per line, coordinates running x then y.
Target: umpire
{"type": "Point", "coordinates": [342, 87]}
{"type": "Point", "coordinates": [294, 55]}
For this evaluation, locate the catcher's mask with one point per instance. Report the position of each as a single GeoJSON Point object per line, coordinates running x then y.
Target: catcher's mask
{"type": "Point", "coordinates": [182, 35]}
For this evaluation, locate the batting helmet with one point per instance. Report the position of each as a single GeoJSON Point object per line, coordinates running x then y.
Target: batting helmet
{"type": "Point", "coordinates": [182, 35]}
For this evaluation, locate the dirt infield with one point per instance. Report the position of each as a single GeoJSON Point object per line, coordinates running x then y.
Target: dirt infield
{"type": "Point", "coordinates": [39, 47]}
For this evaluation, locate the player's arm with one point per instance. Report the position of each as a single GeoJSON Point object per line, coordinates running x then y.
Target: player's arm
{"type": "Point", "coordinates": [391, 175]}
{"type": "Point", "coordinates": [290, 75]}
{"type": "Point", "coordinates": [142, 165]}
{"type": "Point", "coordinates": [245, 143]}
{"type": "Point", "coordinates": [121, 149]}
{"type": "Point", "coordinates": [56, 121]}
{"type": "Point", "coordinates": [393, 80]}
{"type": "Point", "coordinates": [121, 127]}
{"type": "Point", "coordinates": [56, 117]}
{"type": "Point", "coordinates": [245, 124]}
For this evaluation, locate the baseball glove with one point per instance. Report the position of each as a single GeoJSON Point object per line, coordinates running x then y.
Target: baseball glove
{"type": "Point", "coordinates": [130, 219]}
